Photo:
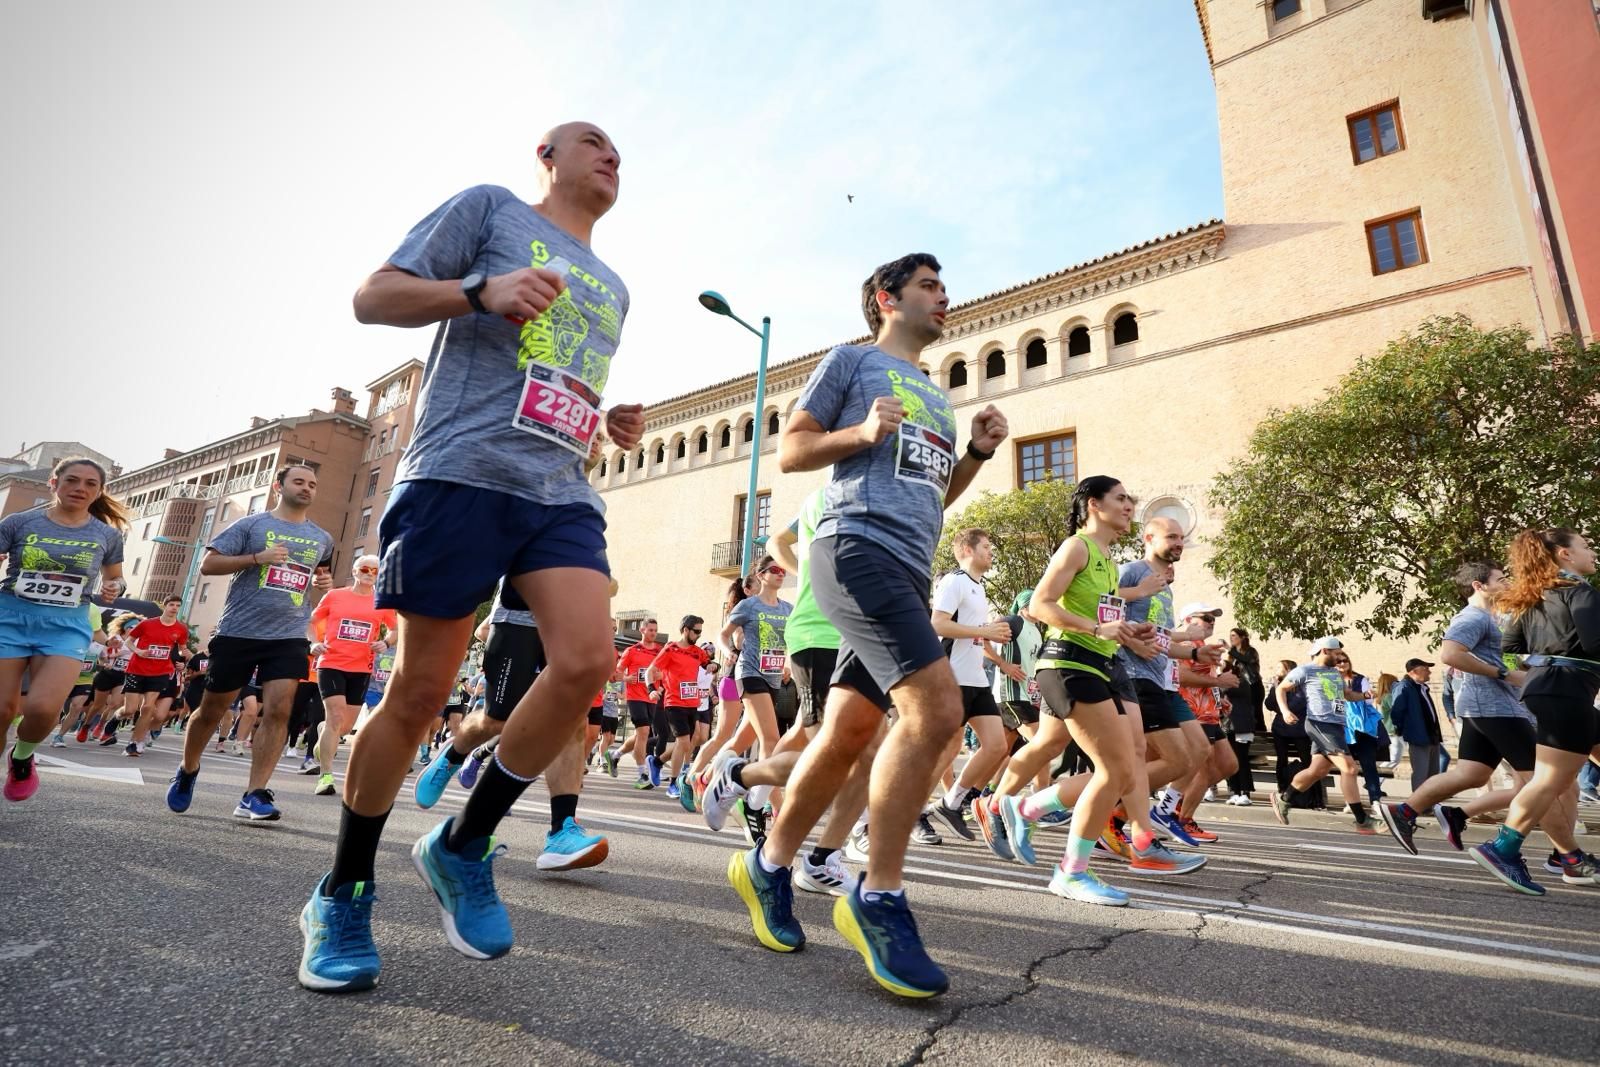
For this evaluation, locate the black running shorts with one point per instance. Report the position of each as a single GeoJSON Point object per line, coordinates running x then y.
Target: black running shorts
{"type": "Point", "coordinates": [347, 685]}
{"type": "Point", "coordinates": [812, 670]}
{"type": "Point", "coordinates": [235, 659]}
{"type": "Point", "coordinates": [1491, 739]}
{"type": "Point", "coordinates": [1563, 722]}
{"type": "Point", "coordinates": [976, 702]}
{"type": "Point", "coordinates": [512, 659]}
{"type": "Point", "coordinates": [1063, 689]}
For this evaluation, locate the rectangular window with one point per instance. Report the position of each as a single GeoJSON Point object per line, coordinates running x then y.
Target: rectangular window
{"type": "Point", "coordinates": [366, 521]}
{"type": "Point", "coordinates": [763, 515]}
{"type": "Point", "coordinates": [205, 591]}
{"type": "Point", "coordinates": [1376, 132]}
{"type": "Point", "coordinates": [136, 566]}
{"type": "Point", "coordinates": [1047, 457]}
{"type": "Point", "coordinates": [1395, 243]}
{"type": "Point", "coordinates": [257, 502]}
{"type": "Point", "coordinates": [1282, 9]}
{"type": "Point", "coordinates": [372, 482]}
{"type": "Point", "coordinates": [146, 535]}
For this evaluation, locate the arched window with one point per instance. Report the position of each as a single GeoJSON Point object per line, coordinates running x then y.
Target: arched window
{"type": "Point", "coordinates": [1035, 354]}
{"type": "Point", "coordinates": [1078, 342]}
{"type": "Point", "coordinates": [683, 448]}
{"type": "Point", "coordinates": [622, 464]}
{"type": "Point", "coordinates": [1126, 329]}
{"type": "Point", "coordinates": [602, 468]}
{"type": "Point", "coordinates": [995, 365]}
{"type": "Point", "coordinates": [727, 438]}
{"type": "Point", "coordinates": [772, 425]}
{"type": "Point", "coordinates": [640, 464]}
{"type": "Point", "coordinates": [958, 375]}
{"type": "Point", "coordinates": [702, 443]}
{"type": "Point", "coordinates": [661, 454]}
{"type": "Point", "coordinates": [747, 431]}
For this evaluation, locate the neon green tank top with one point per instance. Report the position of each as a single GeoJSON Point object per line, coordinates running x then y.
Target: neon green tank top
{"type": "Point", "coordinates": [1098, 578]}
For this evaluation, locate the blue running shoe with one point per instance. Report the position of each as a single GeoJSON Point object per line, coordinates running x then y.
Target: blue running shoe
{"type": "Point", "coordinates": [1513, 872]}
{"type": "Point", "coordinates": [432, 781]}
{"type": "Point", "coordinates": [672, 790]}
{"type": "Point", "coordinates": [1019, 831]}
{"type": "Point", "coordinates": [685, 792]}
{"type": "Point", "coordinates": [572, 848]}
{"type": "Point", "coordinates": [180, 794]}
{"type": "Point", "coordinates": [653, 765]}
{"type": "Point", "coordinates": [882, 929]}
{"type": "Point", "coordinates": [1087, 888]}
{"type": "Point", "coordinates": [770, 900]}
{"type": "Point", "coordinates": [475, 922]}
{"type": "Point", "coordinates": [257, 806]}
{"type": "Point", "coordinates": [339, 956]}
{"type": "Point", "coordinates": [470, 770]}
{"type": "Point", "coordinates": [1055, 818]}
{"type": "Point", "coordinates": [992, 828]}
{"type": "Point", "coordinates": [1173, 825]}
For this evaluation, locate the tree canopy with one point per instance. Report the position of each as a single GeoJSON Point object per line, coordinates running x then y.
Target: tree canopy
{"type": "Point", "coordinates": [1434, 452]}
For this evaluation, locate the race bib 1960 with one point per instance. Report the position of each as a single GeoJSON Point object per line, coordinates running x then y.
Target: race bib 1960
{"type": "Point", "coordinates": [558, 407]}
{"type": "Point", "coordinates": [289, 576]}
{"type": "Point", "coordinates": [56, 590]}
{"type": "Point", "coordinates": [925, 456]}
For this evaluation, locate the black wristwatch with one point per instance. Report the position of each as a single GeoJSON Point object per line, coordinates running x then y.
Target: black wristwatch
{"type": "Point", "coordinates": [1502, 672]}
{"type": "Point", "coordinates": [975, 453]}
{"type": "Point", "coordinates": [471, 286]}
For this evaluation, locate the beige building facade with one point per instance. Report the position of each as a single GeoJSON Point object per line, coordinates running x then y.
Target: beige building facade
{"type": "Point", "coordinates": [1371, 180]}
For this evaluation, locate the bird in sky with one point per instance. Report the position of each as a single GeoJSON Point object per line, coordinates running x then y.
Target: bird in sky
{"type": "Point", "coordinates": [850, 197]}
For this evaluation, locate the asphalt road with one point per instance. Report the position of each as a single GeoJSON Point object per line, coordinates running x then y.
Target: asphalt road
{"type": "Point", "coordinates": [134, 936]}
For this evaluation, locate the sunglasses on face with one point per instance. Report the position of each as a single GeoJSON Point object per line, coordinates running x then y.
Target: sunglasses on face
{"type": "Point", "coordinates": [779, 571]}
{"type": "Point", "coordinates": [694, 630]}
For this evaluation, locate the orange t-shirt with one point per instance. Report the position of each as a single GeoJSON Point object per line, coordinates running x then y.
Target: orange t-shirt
{"type": "Point", "coordinates": [635, 662]}
{"type": "Point", "coordinates": [348, 624]}
{"type": "Point", "coordinates": [159, 639]}
{"type": "Point", "coordinates": [680, 670]}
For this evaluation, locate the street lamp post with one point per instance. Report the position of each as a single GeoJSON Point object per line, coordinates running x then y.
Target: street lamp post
{"type": "Point", "coordinates": [715, 302]}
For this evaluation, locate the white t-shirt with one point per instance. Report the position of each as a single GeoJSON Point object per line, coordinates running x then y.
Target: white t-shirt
{"type": "Point", "coordinates": [704, 682]}
{"type": "Point", "coordinates": [962, 596]}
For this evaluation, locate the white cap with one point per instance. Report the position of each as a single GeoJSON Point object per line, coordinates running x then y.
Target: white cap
{"type": "Point", "coordinates": [1199, 608]}
{"type": "Point", "coordinates": [1324, 643]}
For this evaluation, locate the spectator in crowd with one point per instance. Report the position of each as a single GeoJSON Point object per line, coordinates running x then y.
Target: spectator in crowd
{"type": "Point", "coordinates": [1417, 721]}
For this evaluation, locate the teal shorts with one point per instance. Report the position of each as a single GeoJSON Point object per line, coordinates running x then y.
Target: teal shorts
{"type": "Point", "coordinates": [28, 629]}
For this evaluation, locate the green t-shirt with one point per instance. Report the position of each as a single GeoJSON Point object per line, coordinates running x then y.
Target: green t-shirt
{"type": "Point", "coordinates": [807, 628]}
{"type": "Point", "coordinates": [1098, 578]}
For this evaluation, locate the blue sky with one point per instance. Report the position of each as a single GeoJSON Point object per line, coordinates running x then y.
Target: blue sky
{"type": "Point", "coordinates": [194, 190]}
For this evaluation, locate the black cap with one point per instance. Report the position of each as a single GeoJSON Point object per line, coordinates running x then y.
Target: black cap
{"type": "Point", "coordinates": [1413, 663]}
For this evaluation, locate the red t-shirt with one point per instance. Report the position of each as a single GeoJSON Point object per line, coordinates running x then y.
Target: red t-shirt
{"type": "Point", "coordinates": [349, 623]}
{"type": "Point", "coordinates": [680, 674]}
{"type": "Point", "coordinates": [635, 662]}
{"type": "Point", "coordinates": [156, 640]}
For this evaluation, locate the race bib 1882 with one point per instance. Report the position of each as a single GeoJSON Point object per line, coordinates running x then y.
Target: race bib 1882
{"type": "Point", "coordinates": [355, 630]}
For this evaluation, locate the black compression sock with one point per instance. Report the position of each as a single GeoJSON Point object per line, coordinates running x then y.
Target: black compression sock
{"type": "Point", "coordinates": [491, 798]}
{"type": "Point", "coordinates": [736, 775]}
{"type": "Point", "coordinates": [562, 808]}
{"type": "Point", "coordinates": [819, 855]}
{"type": "Point", "coordinates": [1359, 811]}
{"type": "Point", "coordinates": [453, 757]}
{"type": "Point", "coordinates": [357, 851]}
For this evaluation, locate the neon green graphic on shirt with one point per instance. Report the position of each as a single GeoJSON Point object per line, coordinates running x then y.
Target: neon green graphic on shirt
{"type": "Point", "coordinates": [557, 337]}
{"type": "Point", "coordinates": [35, 558]}
{"type": "Point", "coordinates": [924, 402]}
{"type": "Point", "coordinates": [308, 556]}
{"type": "Point", "coordinates": [770, 639]}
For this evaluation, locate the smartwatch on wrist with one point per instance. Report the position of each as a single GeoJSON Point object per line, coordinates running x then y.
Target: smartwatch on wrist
{"type": "Point", "coordinates": [1502, 672]}
{"type": "Point", "coordinates": [471, 286]}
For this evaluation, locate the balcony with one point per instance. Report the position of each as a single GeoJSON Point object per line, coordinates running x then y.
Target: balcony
{"type": "Point", "coordinates": [725, 558]}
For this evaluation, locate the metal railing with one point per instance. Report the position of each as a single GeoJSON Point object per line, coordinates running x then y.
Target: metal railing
{"type": "Point", "coordinates": [727, 554]}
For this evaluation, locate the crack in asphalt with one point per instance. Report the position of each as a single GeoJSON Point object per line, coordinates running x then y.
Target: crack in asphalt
{"type": "Point", "coordinates": [1249, 893]}
{"type": "Point", "coordinates": [1030, 984]}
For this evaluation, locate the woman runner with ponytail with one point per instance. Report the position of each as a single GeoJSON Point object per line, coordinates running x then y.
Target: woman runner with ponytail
{"type": "Point", "coordinates": [1084, 623]}
{"type": "Point", "coordinates": [54, 554]}
{"type": "Point", "coordinates": [1555, 616]}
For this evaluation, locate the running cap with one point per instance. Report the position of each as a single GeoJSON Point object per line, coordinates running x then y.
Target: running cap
{"type": "Point", "coordinates": [1413, 663]}
{"type": "Point", "coordinates": [1199, 608]}
{"type": "Point", "coordinates": [1323, 644]}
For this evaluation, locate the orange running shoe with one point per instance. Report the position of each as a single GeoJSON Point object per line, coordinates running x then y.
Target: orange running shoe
{"type": "Point", "coordinates": [1192, 828]}
{"type": "Point", "coordinates": [1115, 842]}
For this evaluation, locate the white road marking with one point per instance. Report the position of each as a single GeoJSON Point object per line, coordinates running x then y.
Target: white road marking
{"type": "Point", "coordinates": [57, 765]}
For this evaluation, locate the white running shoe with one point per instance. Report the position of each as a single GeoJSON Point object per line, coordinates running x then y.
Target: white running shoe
{"type": "Point", "coordinates": [855, 846]}
{"type": "Point", "coordinates": [830, 876]}
{"type": "Point", "coordinates": [721, 794]}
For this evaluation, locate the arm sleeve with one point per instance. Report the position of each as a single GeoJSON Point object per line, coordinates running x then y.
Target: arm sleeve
{"type": "Point", "coordinates": [444, 245]}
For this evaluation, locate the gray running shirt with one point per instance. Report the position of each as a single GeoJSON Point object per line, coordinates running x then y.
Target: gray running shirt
{"type": "Point", "coordinates": [1324, 690]}
{"type": "Point", "coordinates": [761, 653]}
{"type": "Point", "coordinates": [1155, 609]}
{"type": "Point", "coordinates": [271, 602]}
{"type": "Point", "coordinates": [892, 493]}
{"type": "Point", "coordinates": [482, 418]}
{"type": "Point", "coordinates": [59, 565]}
{"type": "Point", "coordinates": [1481, 697]}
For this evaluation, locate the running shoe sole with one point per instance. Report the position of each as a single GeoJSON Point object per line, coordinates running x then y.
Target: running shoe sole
{"type": "Point", "coordinates": [1072, 890]}
{"type": "Point", "coordinates": [1191, 862]}
{"type": "Point", "coordinates": [844, 920]}
{"type": "Point", "coordinates": [739, 878]}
